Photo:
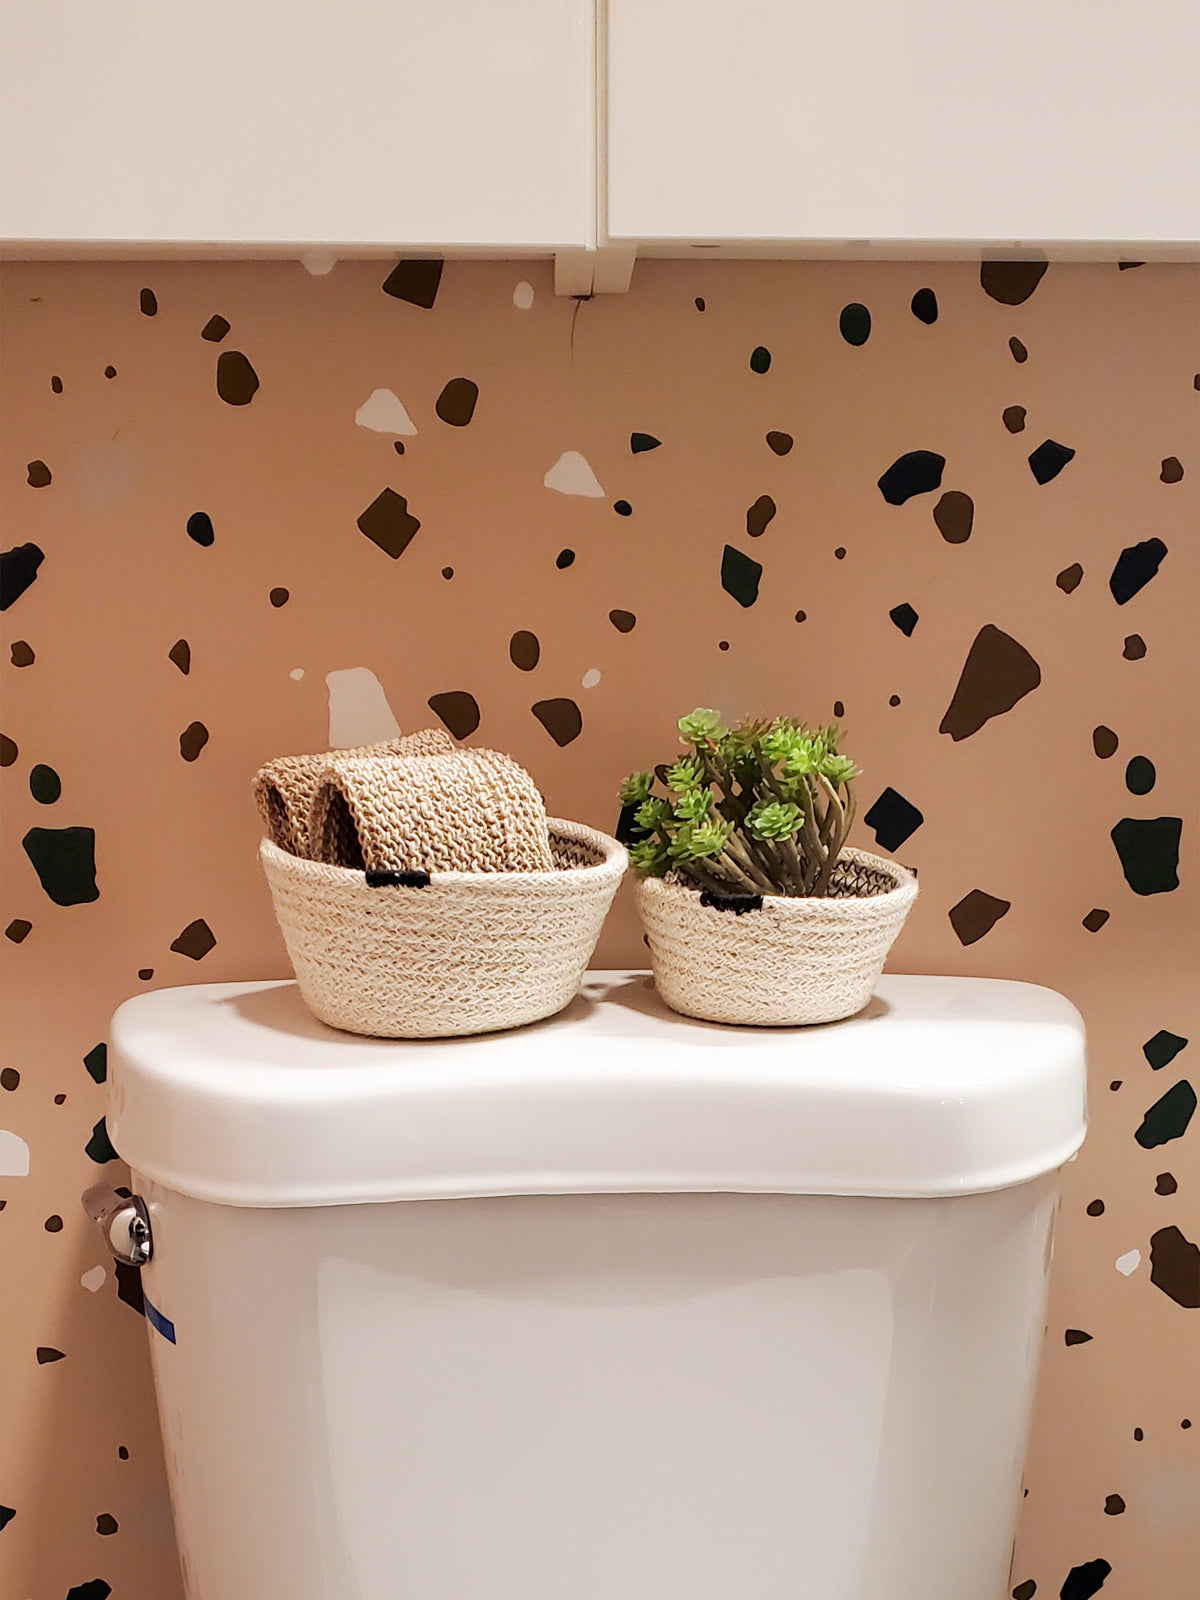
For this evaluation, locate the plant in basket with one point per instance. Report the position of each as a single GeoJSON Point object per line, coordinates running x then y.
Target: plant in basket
{"type": "Point", "coordinates": [755, 909]}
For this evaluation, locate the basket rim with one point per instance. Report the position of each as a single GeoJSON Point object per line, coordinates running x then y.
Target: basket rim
{"type": "Point", "coordinates": [904, 889]}
{"type": "Point", "coordinates": [614, 857]}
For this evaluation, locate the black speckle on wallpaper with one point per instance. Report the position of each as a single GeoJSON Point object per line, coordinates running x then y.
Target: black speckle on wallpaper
{"type": "Point", "coordinates": [110, 372]}
{"type": "Point", "coordinates": [458, 710]}
{"type": "Point", "coordinates": [56, 384]}
{"type": "Point", "coordinates": [1171, 470]}
{"type": "Point", "coordinates": [96, 1062]}
{"type": "Point", "coordinates": [18, 930]}
{"type": "Point", "coordinates": [279, 596]}
{"type": "Point", "coordinates": [976, 914]}
{"type": "Point", "coordinates": [1165, 1183]}
{"type": "Point", "coordinates": [1084, 1581]}
{"type": "Point", "coordinates": [997, 673]}
{"type": "Point", "coordinates": [561, 718]}
{"type": "Point", "coordinates": [237, 381]}
{"type": "Point", "coordinates": [780, 443]}
{"type": "Point", "coordinates": [65, 862]}
{"type": "Point", "coordinates": [148, 303]}
{"type": "Point", "coordinates": [10, 1079]}
{"type": "Point", "coordinates": [200, 528]}
{"type": "Point", "coordinates": [99, 1147]}
{"type": "Point", "coordinates": [1019, 353]}
{"type": "Point", "coordinates": [196, 940]}
{"type": "Point", "coordinates": [1148, 848]}
{"type": "Point", "coordinates": [1048, 460]}
{"type": "Point", "coordinates": [1168, 1118]}
{"type": "Point", "coordinates": [53, 1224]}
{"type": "Point", "coordinates": [1104, 742]}
{"type": "Point", "coordinates": [564, 559]}
{"type": "Point", "coordinates": [215, 329]}
{"type": "Point", "coordinates": [45, 785]}
{"type": "Point", "coordinates": [1076, 1336]}
{"type": "Point", "coordinates": [622, 508]}
{"type": "Point", "coordinates": [192, 740]}
{"type": "Point", "coordinates": [641, 442]}
{"type": "Point", "coordinates": [388, 523]}
{"type": "Point", "coordinates": [38, 475]}
{"type": "Point", "coordinates": [1069, 579]}
{"type": "Point", "coordinates": [1134, 648]}
{"type": "Point", "coordinates": [854, 324]}
{"type": "Point", "coordinates": [1175, 1267]}
{"type": "Point", "coordinates": [18, 569]}
{"type": "Point", "coordinates": [180, 654]}
{"type": "Point", "coordinates": [415, 281]}
{"type": "Point", "coordinates": [740, 575]}
{"type": "Point", "coordinates": [915, 472]}
{"type": "Point", "coordinates": [1114, 1505]}
{"type": "Point", "coordinates": [924, 306]}
{"type": "Point", "coordinates": [760, 359]}
{"type": "Point", "coordinates": [1011, 282]}
{"type": "Point", "coordinates": [905, 618]}
{"type": "Point", "coordinates": [1095, 1208]}
{"type": "Point", "coordinates": [94, 1589]}
{"type": "Point", "coordinates": [759, 516]}
{"type": "Point", "coordinates": [106, 1523]}
{"type": "Point", "coordinates": [1095, 919]}
{"type": "Point", "coordinates": [1135, 567]}
{"type": "Point", "coordinates": [1162, 1049]}
{"type": "Point", "coordinates": [1013, 418]}
{"type": "Point", "coordinates": [893, 819]}
{"type": "Point", "coordinates": [46, 1353]}
{"type": "Point", "coordinates": [954, 516]}
{"type": "Point", "coordinates": [7, 1513]}
{"type": "Point", "coordinates": [456, 403]}
{"type": "Point", "coordinates": [21, 653]}
{"type": "Point", "coordinates": [623, 621]}
{"type": "Point", "coordinates": [524, 650]}
{"type": "Point", "coordinates": [840, 553]}
{"type": "Point", "coordinates": [1140, 776]}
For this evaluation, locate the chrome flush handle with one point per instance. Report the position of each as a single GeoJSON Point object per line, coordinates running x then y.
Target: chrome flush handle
{"type": "Point", "coordinates": [124, 1222]}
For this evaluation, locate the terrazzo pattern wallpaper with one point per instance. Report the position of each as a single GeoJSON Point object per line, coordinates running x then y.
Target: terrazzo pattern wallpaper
{"type": "Point", "coordinates": [249, 510]}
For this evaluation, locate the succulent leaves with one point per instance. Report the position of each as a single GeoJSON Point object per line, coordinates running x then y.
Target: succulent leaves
{"type": "Point", "coordinates": [762, 808]}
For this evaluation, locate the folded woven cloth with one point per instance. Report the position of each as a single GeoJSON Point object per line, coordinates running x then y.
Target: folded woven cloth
{"type": "Point", "coordinates": [284, 789]}
{"type": "Point", "coordinates": [470, 811]}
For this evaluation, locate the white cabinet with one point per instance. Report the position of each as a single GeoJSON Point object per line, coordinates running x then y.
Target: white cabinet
{"type": "Point", "coordinates": [783, 126]}
{"type": "Point", "coordinates": [449, 124]}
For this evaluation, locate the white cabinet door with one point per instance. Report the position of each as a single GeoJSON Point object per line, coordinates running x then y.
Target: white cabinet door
{"type": "Point", "coordinates": [389, 122]}
{"type": "Point", "coordinates": [953, 121]}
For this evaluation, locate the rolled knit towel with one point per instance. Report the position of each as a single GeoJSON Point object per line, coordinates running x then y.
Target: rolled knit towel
{"type": "Point", "coordinates": [472, 811]}
{"type": "Point", "coordinates": [284, 789]}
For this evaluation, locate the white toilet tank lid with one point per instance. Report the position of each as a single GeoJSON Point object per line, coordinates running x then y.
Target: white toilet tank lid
{"type": "Point", "coordinates": [235, 1093]}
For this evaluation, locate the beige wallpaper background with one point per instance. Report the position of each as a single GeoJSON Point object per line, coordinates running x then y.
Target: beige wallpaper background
{"type": "Point", "coordinates": [183, 485]}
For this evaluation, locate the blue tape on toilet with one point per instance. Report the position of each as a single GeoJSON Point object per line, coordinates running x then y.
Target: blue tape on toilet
{"type": "Point", "coordinates": [155, 1318]}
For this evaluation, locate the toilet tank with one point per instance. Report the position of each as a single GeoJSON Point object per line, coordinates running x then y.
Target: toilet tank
{"type": "Point", "coordinates": [623, 1306]}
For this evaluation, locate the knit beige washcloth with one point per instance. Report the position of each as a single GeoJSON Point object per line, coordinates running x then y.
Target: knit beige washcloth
{"type": "Point", "coordinates": [285, 788]}
{"type": "Point", "coordinates": [472, 811]}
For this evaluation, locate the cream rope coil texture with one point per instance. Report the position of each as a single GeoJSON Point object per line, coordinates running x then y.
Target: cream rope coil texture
{"type": "Point", "coordinates": [470, 811]}
{"type": "Point", "coordinates": [472, 952]}
{"type": "Point", "coordinates": [794, 961]}
{"type": "Point", "coordinates": [284, 789]}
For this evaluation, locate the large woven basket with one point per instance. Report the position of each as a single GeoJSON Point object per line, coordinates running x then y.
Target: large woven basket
{"type": "Point", "coordinates": [466, 952]}
{"type": "Point", "coordinates": [776, 962]}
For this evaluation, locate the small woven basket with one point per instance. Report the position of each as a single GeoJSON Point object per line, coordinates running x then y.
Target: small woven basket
{"type": "Point", "coordinates": [460, 953]}
{"type": "Point", "coordinates": [778, 962]}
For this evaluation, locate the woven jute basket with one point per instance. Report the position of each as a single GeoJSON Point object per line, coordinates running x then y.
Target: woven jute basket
{"type": "Point", "coordinates": [443, 954]}
{"type": "Point", "coordinates": [776, 961]}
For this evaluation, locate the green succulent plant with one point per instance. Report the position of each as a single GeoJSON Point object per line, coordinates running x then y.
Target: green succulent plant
{"type": "Point", "coordinates": [762, 808]}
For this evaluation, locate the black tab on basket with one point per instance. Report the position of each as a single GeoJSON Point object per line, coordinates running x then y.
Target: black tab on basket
{"type": "Point", "coordinates": [739, 904]}
{"type": "Point", "coordinates": [382, 878]}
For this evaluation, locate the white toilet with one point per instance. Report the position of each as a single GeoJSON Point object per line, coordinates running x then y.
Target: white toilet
{"type": "Point", "coordinates": [621, 1306]}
